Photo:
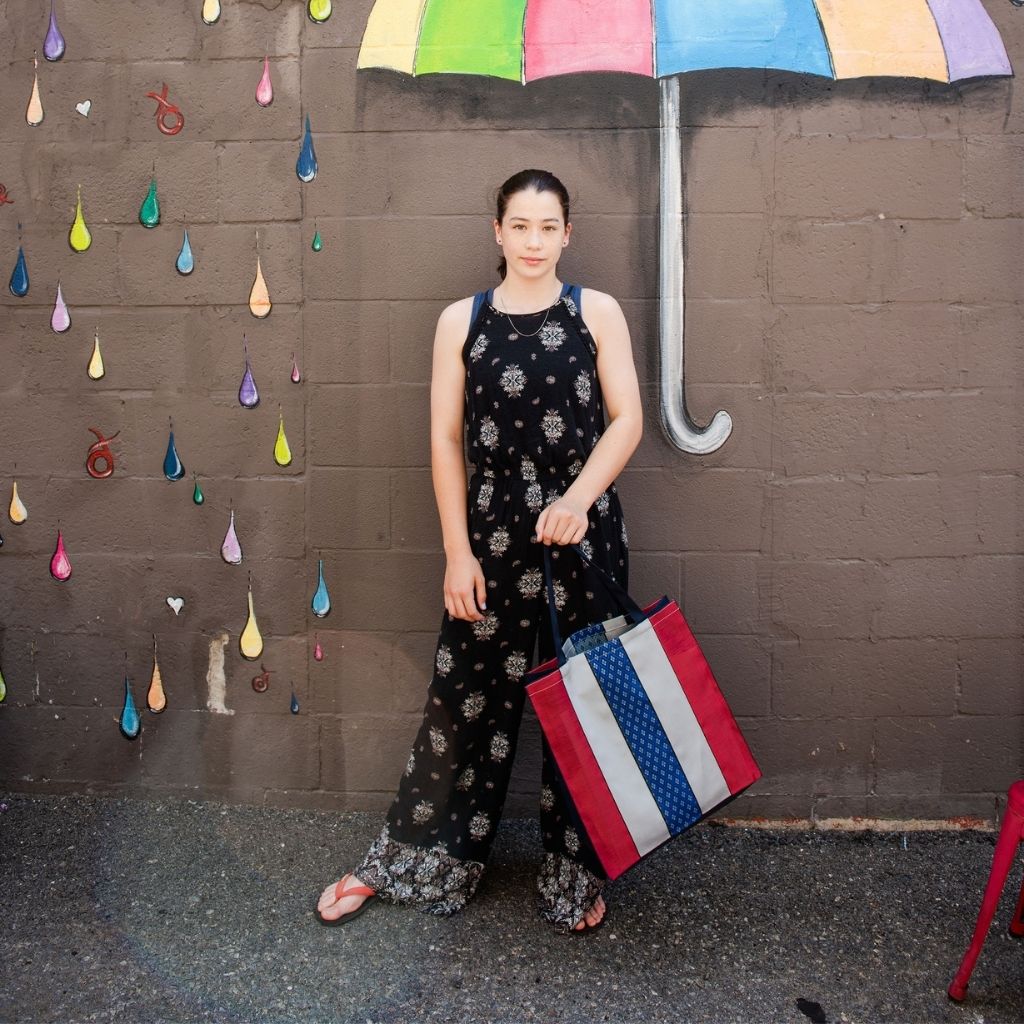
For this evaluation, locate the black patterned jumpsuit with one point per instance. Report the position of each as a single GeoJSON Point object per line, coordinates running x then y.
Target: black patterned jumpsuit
{"type": "Point", "coordinates": [534, 413]}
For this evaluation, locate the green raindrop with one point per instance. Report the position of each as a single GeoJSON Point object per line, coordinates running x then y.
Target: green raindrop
{"type": "Point", "coordinates": [149, 212]}
{"type": "Point", "coordinates": [197, 492]}
{"type": "Point", "coordinates": [317, 242]}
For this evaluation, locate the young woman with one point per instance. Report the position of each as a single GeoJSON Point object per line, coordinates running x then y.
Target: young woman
{"type": "Point", "coordinates": [530, 371]}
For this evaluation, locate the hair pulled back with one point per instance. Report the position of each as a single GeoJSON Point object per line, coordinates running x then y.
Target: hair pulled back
{"type": "Point", "coordinates": [538, 181]}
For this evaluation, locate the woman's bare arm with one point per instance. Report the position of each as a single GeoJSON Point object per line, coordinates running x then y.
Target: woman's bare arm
{"type": "Point", "coordinates": [565, 521]}
{"type": "Point", "coordinates": [464, 579]}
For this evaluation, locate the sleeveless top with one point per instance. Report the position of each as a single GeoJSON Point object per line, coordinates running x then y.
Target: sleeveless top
{"type": "Point", "coordinates": [534, 408]}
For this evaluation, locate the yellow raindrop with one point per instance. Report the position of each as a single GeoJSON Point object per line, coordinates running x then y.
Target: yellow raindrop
{"type": "Point", "coordinates": [156, 699]}
{"type": "Point", "coordinates": [79, 237]}
{"type": "Point", "coordinates": [96, 369]}
{"type": "Point", "coordinates": [17, 511]}
{"type": "Point", "coordinates": [250, 643]}
{"type": "Point", "coordinates": [282, 453]}
{"type": "Point", "coordinates": [259, 297]}
{"type": "Point", "coordinates": [319, 10]}
{"type": "Point", "coordinates": [211, 11]}
{"type": "Point", "coordinates": [34, 111]}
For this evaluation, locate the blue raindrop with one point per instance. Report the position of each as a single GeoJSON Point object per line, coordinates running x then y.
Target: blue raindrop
{"type": "Point", "coordinates": [321, 599]}
{"type": "Point", "coordinates": [295, 704]}
{"type": "Point", "coordinates": [305, 166]}
{"type": "Point", "coordinates": [19, 276]}
{"type": "Point", "coordinates": [173, 469]}
{"type": "Point", "coordinates": [130, 722]}
{"type": "Point", "coordinates": [185, 263]}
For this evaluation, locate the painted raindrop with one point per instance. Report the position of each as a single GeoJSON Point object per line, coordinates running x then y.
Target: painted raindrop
{"type": "Point", "coordinates": [231, 550]}
{"type": "Point", "coordinates": [149, 211]}
{"type": "Point", "coordinates": [306, 166]}
{"type": "Point", "coordinates": [130, 723]}
{"type": "Point", "coordinates": [173, 468]}
{"type": "Point", "coordinates": [96, 369]}
{"type": "Point", "coordinates": [250, 643]}
{"type": "Point", "coordinates": [16, 511]}
{"type": "Point", "coordinates": [53, 44]}
{"type": "Point", "coordinates": [265, 88]}
{"type": "Point", "coordinates": [60, 564]}
{"type": "Point", "coordinates": [295, 375]}
{"type": "Point", "coordinates": [60, 318]}
{"type": "Point", "coordinates": [211, 11]}
{"type": "Point", "coordinates": [295, 704]}
{"type": "Point", "coordinates": [34, 111]}
{"type": "Point", "coordinates": [319, 10]}
{"type": "Point", "coordinates": [282, 451]}
{"type": "Point", "coordinates": [318, 651]}
{"type": "Point", "coordinates": [79, 237]}
{"type": "Point", "coordinates": [156, 699]}
{"type": "Point", "coordinates": [321, 599]}
{"type": "Point", "coordinates": [259, 298]}
{"type": "Point", "coordinates": [3, 687]}
{"type": "Point", "coordinates": [197, 492]}
{"type": "Point", "coordinates": [19, 276]}
{"type": "Point", "coordinates": [318, 242]}
{"type": "Point", "coordinates": [185, 263]}
{"type": "Point", "coordinates": [248, 394]}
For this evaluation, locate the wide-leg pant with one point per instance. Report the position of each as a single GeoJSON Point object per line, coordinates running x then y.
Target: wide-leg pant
{"type": "Point", "coordinates": [439, 830]}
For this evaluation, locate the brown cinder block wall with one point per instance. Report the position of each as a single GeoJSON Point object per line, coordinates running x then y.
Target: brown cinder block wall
{"type": "Point", "coordinates": [851, 559]}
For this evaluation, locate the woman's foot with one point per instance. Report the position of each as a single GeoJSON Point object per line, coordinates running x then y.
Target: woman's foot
{"type": "Point", "coordinates": [593, 917]}
{"type": "Point", "coordinates": [344, 898]}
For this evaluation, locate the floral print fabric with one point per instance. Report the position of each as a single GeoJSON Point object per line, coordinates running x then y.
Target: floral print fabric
{"type": "Point", "coordinates": [533, 414]}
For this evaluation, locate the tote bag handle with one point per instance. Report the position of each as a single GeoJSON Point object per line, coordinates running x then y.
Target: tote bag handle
{"type": "Point", "coordinates": [633, 612]}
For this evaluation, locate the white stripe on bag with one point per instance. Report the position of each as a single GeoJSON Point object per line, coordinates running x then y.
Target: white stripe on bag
{"type": "Point", "coordinates": [618, 766]}
{"type": "Point", "coordinates": [655, 671]}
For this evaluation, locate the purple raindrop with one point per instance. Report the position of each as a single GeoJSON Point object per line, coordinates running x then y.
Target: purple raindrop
{"type": "Point", "coordinates": [53, 44]}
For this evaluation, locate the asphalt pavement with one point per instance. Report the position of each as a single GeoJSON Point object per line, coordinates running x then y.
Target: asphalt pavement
{"type": "Point", "coordinates": [185, 911]}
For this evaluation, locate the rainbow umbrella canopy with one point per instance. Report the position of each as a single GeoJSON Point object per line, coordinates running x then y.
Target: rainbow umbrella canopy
{"type": "Point", "coordinates": [525, 40]}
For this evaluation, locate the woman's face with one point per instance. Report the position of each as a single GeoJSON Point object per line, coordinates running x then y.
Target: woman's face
{"type": "Point", "coordinates": [533, 233]}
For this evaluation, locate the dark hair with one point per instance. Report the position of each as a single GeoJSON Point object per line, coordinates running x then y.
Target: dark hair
{"type": "Point", "coordinates": [538, 181]}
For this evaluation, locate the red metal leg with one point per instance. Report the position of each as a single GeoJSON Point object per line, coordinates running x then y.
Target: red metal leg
{"type": "Point", "coordinates": [1010, 836]}
{"type": "Point", "coordinates": [1017, 924]}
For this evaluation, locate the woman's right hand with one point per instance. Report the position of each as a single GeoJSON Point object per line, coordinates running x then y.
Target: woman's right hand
{"type": "Point", "coordinates": [465, 588]}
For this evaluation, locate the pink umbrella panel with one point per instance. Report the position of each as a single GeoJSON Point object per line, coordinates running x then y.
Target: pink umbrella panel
{"type": "Point", "coordinates": [526, 40]}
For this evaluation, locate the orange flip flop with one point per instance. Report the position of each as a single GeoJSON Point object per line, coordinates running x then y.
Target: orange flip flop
{"type": "Point", "coordinates": [339, 894]}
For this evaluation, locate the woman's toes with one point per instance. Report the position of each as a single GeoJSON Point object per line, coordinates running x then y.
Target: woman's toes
{"type": "Point", "coordinates": [328, 897]}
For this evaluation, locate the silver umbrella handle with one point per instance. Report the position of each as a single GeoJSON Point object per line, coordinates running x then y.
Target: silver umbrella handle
{"type": "Point", "coordinates": [675, 420]}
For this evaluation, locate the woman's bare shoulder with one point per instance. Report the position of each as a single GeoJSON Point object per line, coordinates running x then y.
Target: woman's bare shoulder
{"type": "Point", "coordinates": [599, 304]}
{"type": "Point", "coordinates": [456, 314]}
{"type": "Point", "coordinates": [453, 324]}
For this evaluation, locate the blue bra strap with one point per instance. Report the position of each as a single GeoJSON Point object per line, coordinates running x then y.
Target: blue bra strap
{"type": "Point", "coordinates": [575, 292]}
{"type": "Point", "coordinates": [478, 301]}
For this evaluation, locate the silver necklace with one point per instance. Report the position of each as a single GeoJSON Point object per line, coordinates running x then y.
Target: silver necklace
{"type": "Point", "coordinates": [532, 334]}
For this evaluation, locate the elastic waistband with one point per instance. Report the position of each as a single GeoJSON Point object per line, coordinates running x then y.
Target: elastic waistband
{"type": "Point", "coordinates": [545, 474]}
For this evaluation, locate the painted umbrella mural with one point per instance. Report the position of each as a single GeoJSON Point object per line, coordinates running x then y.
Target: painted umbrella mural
{"type": "Point", "coordinates": [524, 40]}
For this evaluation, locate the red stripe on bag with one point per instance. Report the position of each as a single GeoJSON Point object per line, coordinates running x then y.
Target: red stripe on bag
{"type": "Point", "coordinates": [695, 677]}
{"type": "Point", "coordinates": [602, 821]}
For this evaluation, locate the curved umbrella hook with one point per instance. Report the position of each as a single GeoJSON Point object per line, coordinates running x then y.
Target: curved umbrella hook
{"type": "Point", "coordinates": [675, 420]}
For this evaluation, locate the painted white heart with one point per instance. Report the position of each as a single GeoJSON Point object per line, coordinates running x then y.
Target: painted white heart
{"type": "Point", "coordinates": [176, 604]}
{"type": "Point", "coordinates": [84, 107]}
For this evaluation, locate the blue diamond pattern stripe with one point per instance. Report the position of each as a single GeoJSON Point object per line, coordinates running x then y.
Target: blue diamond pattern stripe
{"type": "Point", "coordinates": [644, 733]}
{"type": "Point", "coordinates": [586, 638]}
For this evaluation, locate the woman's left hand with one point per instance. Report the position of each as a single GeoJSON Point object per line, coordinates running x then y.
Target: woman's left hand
{"type": "Point", "coordinates": [562, 522]}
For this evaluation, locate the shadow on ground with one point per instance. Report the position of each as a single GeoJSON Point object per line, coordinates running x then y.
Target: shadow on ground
{"type": "Point", "coordinates": [119, 910]}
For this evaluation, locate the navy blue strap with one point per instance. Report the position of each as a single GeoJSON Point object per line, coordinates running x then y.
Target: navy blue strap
{"type": "Point", "coordinates": [478, 300]}
{"type": "Point", "coordinates": [576, 295]}
{"type": "Point", "coordinates": [633, 612]}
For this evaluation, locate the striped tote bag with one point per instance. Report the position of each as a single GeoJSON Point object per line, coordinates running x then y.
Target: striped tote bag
{"type": "Point", "coordinates": [640, 731]}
